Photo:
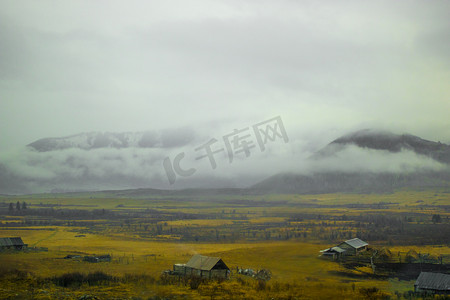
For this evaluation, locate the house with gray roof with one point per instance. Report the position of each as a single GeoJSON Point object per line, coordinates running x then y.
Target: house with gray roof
{"type": "Point", "coordinates": [437, 283]}
{"type": "Point", "coordinates": [14, 243]}
{"type": "Point", "coordinates": [203, 266]}
{"type": "Point", "coordinates": [349, 247]}
{"type": "Point", "coordinates": [353, 246]}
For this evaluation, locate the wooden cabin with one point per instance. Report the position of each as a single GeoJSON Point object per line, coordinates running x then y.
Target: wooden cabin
{"type": "Point", "coordinates": [14, 243]}
{"type": "Point", "coordinates": [353, 246]}
{"type": "Point", "coordinates": [437, 283]}
{"type": "Point", "coordinates": [203, 266]}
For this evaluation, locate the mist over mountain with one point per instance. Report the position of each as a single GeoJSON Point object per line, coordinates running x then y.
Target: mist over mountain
{"type": "Point", "coordinates": [362, 161]}
{"type": "Point", "coordinates": [384, 140]}
{"type": "Point", "coordinates": [381, 147]}
{"type": "Point", "coordinates": [118, 140]}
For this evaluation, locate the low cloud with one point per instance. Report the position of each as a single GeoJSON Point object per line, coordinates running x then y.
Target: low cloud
{"type": "Point", "coordinates": [355, 159]}
{"type": "Point", "coordinates": [27, 171]}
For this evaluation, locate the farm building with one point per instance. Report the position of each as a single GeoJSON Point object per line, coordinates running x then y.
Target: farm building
{"type": "Point", "coordinates": [333, 252]}
{"type": "Point", "coordinates": [203, 266]}
{"type": "Point", "coordinates": [349, 247]}
{"type": "Point", "coordinates": [96, 259]}
{"type": "Point", "coordinates": [15, 243]}
{"type": "Point", "coordinates": [353, 246]}
{"type": "Point", "coordinates": [435, 282]}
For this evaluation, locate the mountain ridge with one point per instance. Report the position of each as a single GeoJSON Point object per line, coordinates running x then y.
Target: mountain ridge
{"type": "Point", "coordinates": [96, 140]}
{"type": "Point", "coordinates": [364, 181]}
{"type": "Point", "coordinates": [385, 140]}
{"type": "Point", "coordinates": [330, 179]}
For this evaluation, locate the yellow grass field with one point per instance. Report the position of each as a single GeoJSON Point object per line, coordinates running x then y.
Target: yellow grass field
{"type": "Point", "coordinates": [280, 233]}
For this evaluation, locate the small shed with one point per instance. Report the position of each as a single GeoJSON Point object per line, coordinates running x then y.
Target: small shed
{"type": "Point", "coordinates": [333, 252]}
{"type": "Point", "coordinates": [203, 266]}
{"type": "Point", "coordinates": [97, 259]}
{"type": "Point", "coordinates": [15, 243]}
{"type": "Point", "coordinates": [353, 246]}
{"type": "Point", "coordinates": [435, 282]}
{"type": "Point", "coordinates": [179, 269]}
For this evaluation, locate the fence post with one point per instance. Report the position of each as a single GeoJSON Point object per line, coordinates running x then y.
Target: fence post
{"type": "Point", "coordinates": [372, 264]}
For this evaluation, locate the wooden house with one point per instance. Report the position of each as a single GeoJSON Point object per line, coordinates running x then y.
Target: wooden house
{"type": "Point", "coordinates": [353, 246]}
{"type": "Point", "coordinates": [14, 243]}
{"type": "Point", "coordinates": [437, 283]}
{"type": "Point", "coordinates": [203, 266]}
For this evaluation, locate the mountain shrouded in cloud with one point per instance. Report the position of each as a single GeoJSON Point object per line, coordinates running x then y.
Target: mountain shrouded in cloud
{"type": "Point", "coordinates": [366, 160]}
{"type": "Point", "coordinates": [97, 140]}
{"type": "Point", "coordinates": [384, 140]}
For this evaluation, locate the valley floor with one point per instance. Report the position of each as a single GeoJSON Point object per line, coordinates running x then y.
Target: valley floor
{"type": "Point", "coordinates": [279, 233]}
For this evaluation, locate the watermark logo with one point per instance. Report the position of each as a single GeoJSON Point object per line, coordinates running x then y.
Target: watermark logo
{"type": "Point", "coordinates": [238, 142]}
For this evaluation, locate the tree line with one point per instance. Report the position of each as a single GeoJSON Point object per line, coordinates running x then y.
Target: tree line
{"type": "Point", "coordinates": [18, 206]}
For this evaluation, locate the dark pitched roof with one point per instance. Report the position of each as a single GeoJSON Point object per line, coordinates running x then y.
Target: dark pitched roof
{"type": "Point", "coordinates": [11, 241]}
{"type": "Point", "coordinates": [433, 281]}
{"type": "Point", "coordinates": [356, 243]}
{"type": "Point", "coordinates": [205, 263]}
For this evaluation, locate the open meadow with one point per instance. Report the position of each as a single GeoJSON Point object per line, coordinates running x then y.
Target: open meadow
{"type": "Point", "coordinates": [145, 234]}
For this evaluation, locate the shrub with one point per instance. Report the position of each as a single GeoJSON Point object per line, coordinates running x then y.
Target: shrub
{"type": "Point", "coordinates": [69, 279]}
{"type": "Point", "coordinates": [76, 279]}
{"type": "Point", "coordinates": [194, 282]}
{"type": "Point", "coordinates": [260, 285]}
{"type": "Point", "coordinates": [15, 273]}
{"type": "Point", "coordinates": [98, 277]}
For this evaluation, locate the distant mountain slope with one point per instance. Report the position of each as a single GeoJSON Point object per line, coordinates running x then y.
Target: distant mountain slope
{"type": "Point", "coordinates": [95, 140]}
{"type": "Point", "coordinates": [341, 154]}
{"type": "Point", "coordinates": [350, 182]}
{"type": "Point", "coordinates": [339, 181]}
{"type": "Point", "coordinates": [383, 140]}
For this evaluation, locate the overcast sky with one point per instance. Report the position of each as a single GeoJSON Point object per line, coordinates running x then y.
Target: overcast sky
{"type": "Point", "coordinates": [326, 67]}
{"type": "Point", "coordinates": [208, 67]}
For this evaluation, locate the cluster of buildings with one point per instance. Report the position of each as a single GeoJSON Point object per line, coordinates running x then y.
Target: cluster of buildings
{"type": "Point", "coordinates": [215, 268]}
{"type": "Point", "coordinates": [349, 247]}
{"type": "Point", "coordinates": [434, 283]}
